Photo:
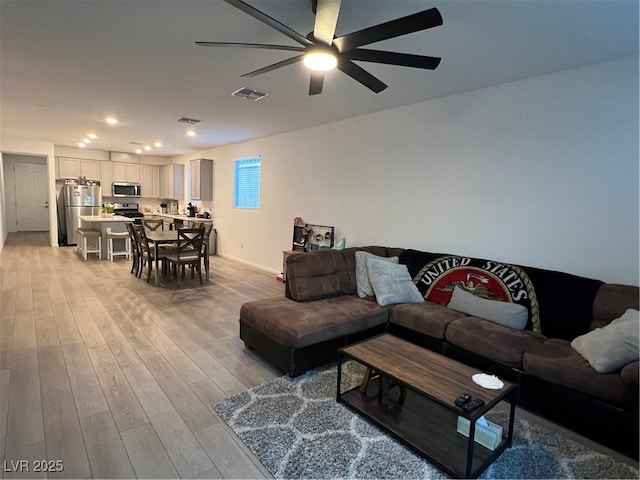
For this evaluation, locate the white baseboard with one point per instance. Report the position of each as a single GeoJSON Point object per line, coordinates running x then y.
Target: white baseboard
{"type": "Point", "coordinates": [260, 267]}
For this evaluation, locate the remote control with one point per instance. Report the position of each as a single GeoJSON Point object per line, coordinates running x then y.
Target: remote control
{"type": "Point", "coordinates": [472, 404]}
{"type": "Point", "coordinates": [462, 399]}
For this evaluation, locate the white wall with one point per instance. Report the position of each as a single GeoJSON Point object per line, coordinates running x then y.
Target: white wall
{"type": "Point", "coordinates": [540, 172]}
{"type": "Point", "coordinates": [87, 153]}
{"type": "Point", "coordinates": [20, 146]}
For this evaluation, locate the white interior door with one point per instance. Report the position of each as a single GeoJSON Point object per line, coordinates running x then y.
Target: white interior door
{"type": "Point", "coordinates": [31, 197]}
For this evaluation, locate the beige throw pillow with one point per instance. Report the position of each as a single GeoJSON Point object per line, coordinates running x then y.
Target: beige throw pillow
{"type": "Point", "coordinates": [363, 285]}
{"type": "Point", "coordinates": [392, 283]}
{"type": "Point", "coordinates": [512, 315]}
{"type": "Point", "coordinates": [609, 348]}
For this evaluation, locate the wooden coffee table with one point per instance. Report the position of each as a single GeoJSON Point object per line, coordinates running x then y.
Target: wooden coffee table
{"type": "Point", "coordinates": [425, 418]}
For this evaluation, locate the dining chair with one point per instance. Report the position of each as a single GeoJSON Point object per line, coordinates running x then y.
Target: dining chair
{"type": "Point", "coordinates": [183, 224]}
{"type": "Point", "coordinates": [153, 224]}
{"type": "Point", "coordinates": [146, 252]}
{"type": "Point", "coordinates": [189, 252]}
{"type": "Point", "coordinates": [135, 249]}
{"type": "Point", "coordinates": [205, 247]}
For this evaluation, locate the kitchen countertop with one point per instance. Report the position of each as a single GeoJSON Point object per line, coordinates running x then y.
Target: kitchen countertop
{"type": "Point", "coordinates": [110, 218]}
{"type": "Point", "coordinates": [178, 217]}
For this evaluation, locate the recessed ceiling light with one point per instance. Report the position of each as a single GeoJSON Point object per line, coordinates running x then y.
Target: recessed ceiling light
{"type": "Point", "coordinates": [157, 144]}
{"type": "Point", "coordinates": [191, 133]}
{"type": "Point", "coordinates": [147, 148]}
{"type": "Point", "coordinates": [81, 145]}
{"type": "Point", "coordinates": [86, 140]}
{"type": "Point", "coordinates": [92, 136]}
{"type": "Point", "coordinates": [138, 150]}
{"type": "Point", "coordinates": [111, 120]}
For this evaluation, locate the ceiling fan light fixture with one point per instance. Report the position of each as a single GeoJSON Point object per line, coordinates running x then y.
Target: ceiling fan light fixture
{"type": "Point", "coordinates": [320, 60]}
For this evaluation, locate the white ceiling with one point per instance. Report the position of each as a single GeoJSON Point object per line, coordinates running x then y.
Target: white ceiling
{"type": "Point", "coordinates": [65, 64]}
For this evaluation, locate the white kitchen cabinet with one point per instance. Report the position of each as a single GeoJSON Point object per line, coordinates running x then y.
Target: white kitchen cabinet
{"type": "Point", "coordinates": [90, 169]}
{"type": "Point", "coordinates": [201, 180]}
{"type": "Point", "coordinates": [133, 173]}
{"type": "Point", "coordinates": [172, 182]}
{"type": "Point", "coordinates": [150, 180]}
{"type": "Point", "coordinates": [106, 178]}
{"type": "Point", "coordinates": [119, 171]}
{"type": "Point", "coordinates": [167, 224]}
{"type": "Point", "coordinates": [67, 168]}
{"type": "Point", "coordinates": [125, 172]}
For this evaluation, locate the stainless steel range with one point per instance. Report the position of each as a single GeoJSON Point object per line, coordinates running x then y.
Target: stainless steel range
{"type": "Point", "coordinates": [129, 210]}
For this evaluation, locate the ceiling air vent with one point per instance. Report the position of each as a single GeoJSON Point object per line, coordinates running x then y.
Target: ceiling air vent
{"type": "Point", "coordinates": [249, 94]}
{"type": "Point", "coordinates": [190, 121]}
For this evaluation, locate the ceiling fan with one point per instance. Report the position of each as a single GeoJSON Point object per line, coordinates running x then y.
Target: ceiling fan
{"type": "Point", "coordinates": [321, 51]}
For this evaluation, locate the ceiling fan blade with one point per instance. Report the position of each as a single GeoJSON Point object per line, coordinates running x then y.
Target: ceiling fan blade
{"type": "Point", "coordinates": [316, 82]}
{"type": "Point", "coordinates": [361, 75]}
{"type": "Point", "coordinates": [395, 28]}
{"type": "Point", "coordinates": [272, 22]}
{"type": "Point", "coordinates": [275, 66]}
{"type": "Point", "coordinates": [393, 58]}
{"type": "Point", "coordinates": [251, 45]}
{"type": "Point", "coordinates": [326, 20]}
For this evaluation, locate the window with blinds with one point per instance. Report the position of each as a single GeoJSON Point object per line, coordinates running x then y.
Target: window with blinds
{"type": "Point", "coordinates": [246, 183]}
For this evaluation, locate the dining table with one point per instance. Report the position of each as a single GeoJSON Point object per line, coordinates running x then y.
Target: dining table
{"type": "Point", "coordinates": [160, 237]}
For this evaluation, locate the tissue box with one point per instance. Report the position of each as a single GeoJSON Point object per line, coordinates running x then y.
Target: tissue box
{"type": "Point", "coordinates": [488, 436]}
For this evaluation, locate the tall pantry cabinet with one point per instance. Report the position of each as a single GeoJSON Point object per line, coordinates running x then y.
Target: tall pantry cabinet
{"type": "Point", "coordinates": [172, 182]}
{"type": "Point", "coordinates": [201, 179]}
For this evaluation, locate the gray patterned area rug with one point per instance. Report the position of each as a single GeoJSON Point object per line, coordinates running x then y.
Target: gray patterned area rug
{"type": "Point", "coordinates": [296, 429]}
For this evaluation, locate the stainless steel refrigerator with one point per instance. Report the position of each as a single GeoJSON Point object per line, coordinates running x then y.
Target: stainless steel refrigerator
{"type": "Point", "coordinates": [79, 200]}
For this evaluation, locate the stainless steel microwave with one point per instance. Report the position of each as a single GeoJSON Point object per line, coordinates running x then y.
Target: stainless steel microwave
{"type": "Point", "coordinates": [122, 189]}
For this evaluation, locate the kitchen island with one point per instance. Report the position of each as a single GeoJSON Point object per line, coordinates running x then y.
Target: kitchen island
{"type": "Point", "coordinates": [115, 222]}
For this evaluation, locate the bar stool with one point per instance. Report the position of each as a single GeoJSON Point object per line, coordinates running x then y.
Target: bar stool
{"type": "Point", "coordinates": [83, 246]}
{"type": "Point", "coordinates": [118, 236]}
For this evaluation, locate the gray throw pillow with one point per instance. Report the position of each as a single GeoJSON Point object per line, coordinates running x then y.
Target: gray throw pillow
{"type": "Point", "coordinates": [512, 315]}
{"type": "Point", "coordinates": [392, 283]}
{"type": "Point", "coordinates": [363, 284]}
{"type": "Point", "coordinates": [609, 348]}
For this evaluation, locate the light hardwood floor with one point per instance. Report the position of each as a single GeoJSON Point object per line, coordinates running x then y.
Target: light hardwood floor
{"type": "Point", "coordinates": [116, 377]}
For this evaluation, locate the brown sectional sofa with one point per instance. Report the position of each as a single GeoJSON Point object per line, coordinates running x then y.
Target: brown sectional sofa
{"type": "Point", "coordinates": [321, 312]}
